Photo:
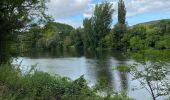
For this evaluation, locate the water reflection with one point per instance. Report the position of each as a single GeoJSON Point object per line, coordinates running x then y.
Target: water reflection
{"type": "Point", "coordinates": [52, 54]}
{"type": "Point", "coordinates": [103, 69]}
{"type": "Point", "coordinates": [122, 77]}
{"type": "Point", "coordinates": [97, 66]}
{"type": "Point", "coordinates": [124, 81]}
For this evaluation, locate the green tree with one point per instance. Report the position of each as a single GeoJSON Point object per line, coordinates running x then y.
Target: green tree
{"type": "Point", "coordinates": [120, 27]}
{"type": "Point", "coordinates": [101, 22]}
{"type": "Point", "coordinates": [163, 43]}
{"type": "Point", "coordinates": [125, 40]}
{"type": "Point", "coordinates": [108, 40]}
{"type": "Point", "coordinates": [54, 36]}
{"type": "Point", "coordinates": [121, 12]}
{"type": "Point", "coordinates": [77, 38]}
{"type": "Point", "coordinates": [153, 77]}
{"type": "Point", "coordinates": [88, 34]}
{"type": "Point", "coordinates": [67, 42]}
{"type": "Point", "coordinates": [162, 28]}
{"type": "Point", "coordinates": [97, 27]}
{"type": "Point", "coordinates": [32, 37]}
{"type": "Point", "coordinates": [118, 31]}
{"type": "Point", "coordinates": [151, 37]}
{"type": "Point", "coordinates": [15, 16]}
{"type": "Point", "coordinates": [136, 44]}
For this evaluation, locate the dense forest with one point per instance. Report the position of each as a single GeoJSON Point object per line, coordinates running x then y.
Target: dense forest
{"type": "Point", "coordinates": [24, 26]}
{"type": "Point", "coordinates": [97, 34]}
{"type": "Point", "coordinates": [54, 36]}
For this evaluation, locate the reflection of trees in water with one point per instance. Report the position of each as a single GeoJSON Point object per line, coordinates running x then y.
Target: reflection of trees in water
{"type": "Point", "coordinates": [124, 80]}
{"type": "Point", "coordinates": [122, 75]}
{"type": "Point", "coordinates": [104, 73]}
{"type": "Point", "coordinates": [103, 68]}
{"type": "Point", "coordinates": [100, 67]}
{"type": "Point", "coordinates": [52, 54]}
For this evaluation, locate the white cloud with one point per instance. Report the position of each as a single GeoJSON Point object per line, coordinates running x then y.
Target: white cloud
{"type": "Point", "coordinates": [66, 8]}
{"type": "Point", "coordinates": [63, 9]}
{"type": "Point", "coordinates": [89, 12]}
{"type": "Point", "coordinates": [135, 7]}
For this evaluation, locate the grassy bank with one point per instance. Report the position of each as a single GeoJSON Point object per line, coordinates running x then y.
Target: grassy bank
{"type": "Point", "coordinates": [36, 85]}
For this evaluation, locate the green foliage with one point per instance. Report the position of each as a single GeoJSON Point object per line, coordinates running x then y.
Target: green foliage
{"type": "Point", "coordinates": [103, 88]}
{"type": "Point", "coordinates": [28, 20]}
{"type": "Point", "coordinates": [30, 39]}
{"type": "Point", "coordinates": [16, 16]}
{"type": "Point", "coordinates": [101, 21]}
{"type": "Point", "coordinates": [121, 96]}
{"type": "Point", "coordinates": [76, 36]}
{"type": "Point", "coordinates": [151, 70]}
{"type": "Point", "coordinates": [119, 30]}
{"type": "Point", "coordinates": [108, 40]}
{"type": "Point", "coordinates": [55, 36]}
{"type": "Point", "coordinates": [52, 36]}
{"type": "Point", "coordinates": [136, 43]}
{"type": "Point", "coordinates": [99, 25]}
{"type": "Point", "coordinates": [123, 68]}
{"type": "Point", "coordinates": [40, 85]}
{"type": "Point", "coordinates": [163, 43]}
{"type": "Point", "coordinates": [121, 12]}
{"type": "Point", "coordinates": [36, 85]}
{"type": "Point", "coordinates": [151, 55]}
{"type": "Point", "coordinates": [153, 76]}
{"type": "Point", "coordinates": [125, 41]}
{"type": "Point", "coordinates": [143, 37]}
{"type": "Point", "coordinates": [97, 33]}
{"type": "Point", "coordinates": [88, 34]}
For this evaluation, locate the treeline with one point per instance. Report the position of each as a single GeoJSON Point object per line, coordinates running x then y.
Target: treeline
{"type": "Point", "coordinates": [144, 36]}
{"type": "Point", "coordinates": [98, 34]}
{"type": "Point", "coordinates": [52, 36]}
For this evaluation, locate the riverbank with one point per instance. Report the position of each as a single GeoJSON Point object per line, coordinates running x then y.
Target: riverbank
{"type": "Point", "coordinates": [37, 85]}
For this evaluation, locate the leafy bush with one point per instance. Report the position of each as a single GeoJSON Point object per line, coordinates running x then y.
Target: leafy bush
{"type": "Point", "coordinates": [37, 85]}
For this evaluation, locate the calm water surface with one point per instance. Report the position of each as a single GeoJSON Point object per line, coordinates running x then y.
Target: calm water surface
{"type": "Point", "coordinates": [95, 66]}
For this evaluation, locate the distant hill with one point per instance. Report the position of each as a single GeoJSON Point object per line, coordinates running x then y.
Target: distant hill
{"type": "Point", "coordinates": [155, 23]}
{"type": "Point", "coordinates": [60, 27]}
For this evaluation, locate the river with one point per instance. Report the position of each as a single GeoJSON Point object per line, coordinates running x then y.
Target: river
{"type": "Point", "coordinates": [93, 65]}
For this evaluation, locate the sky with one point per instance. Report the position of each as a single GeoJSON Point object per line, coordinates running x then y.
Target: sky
{"type": "Point", "coordinates": [73, 12]}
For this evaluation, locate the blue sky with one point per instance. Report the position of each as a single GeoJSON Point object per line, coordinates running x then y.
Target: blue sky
{"type": "Point", "coordinates": [74, 11]}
